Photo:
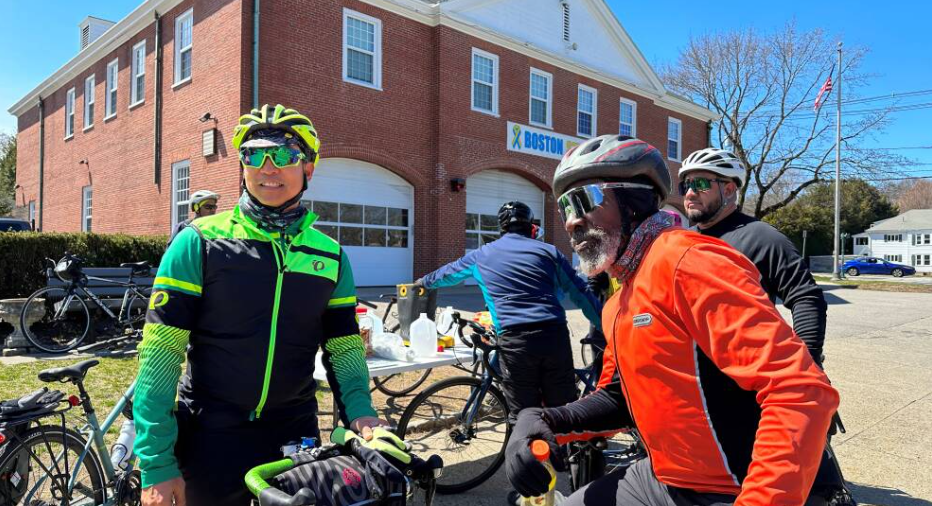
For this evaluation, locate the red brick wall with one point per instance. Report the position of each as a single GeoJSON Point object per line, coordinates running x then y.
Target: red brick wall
{"type": "Point", "coordinates": [419, 125]}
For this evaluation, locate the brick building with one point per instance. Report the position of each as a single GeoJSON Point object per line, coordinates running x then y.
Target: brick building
{"type": "Point", "coordinates": [431, 115]}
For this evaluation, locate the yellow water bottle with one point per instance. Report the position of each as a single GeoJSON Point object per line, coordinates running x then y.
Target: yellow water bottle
{"type": "Point", "coordinates": [541, 451]}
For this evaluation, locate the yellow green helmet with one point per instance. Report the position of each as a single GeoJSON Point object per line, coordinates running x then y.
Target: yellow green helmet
{"type": "Point", "coordinates": [279, 118]}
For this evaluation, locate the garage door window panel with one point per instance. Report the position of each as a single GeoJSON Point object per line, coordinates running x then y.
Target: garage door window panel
{"type": "Point", "coordinates": [361, 225]}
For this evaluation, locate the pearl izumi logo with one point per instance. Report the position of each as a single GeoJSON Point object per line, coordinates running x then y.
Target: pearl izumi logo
{"type": "Point", "coordinates": [643, 320]}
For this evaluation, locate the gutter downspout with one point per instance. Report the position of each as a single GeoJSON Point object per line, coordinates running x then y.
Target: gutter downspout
{"type": "Point", "coordinates": [41, 163]}
{"type": "Point", "coordinates": [157, 134]}
{"type": "Point", "coordinates": [255, 54]}
{"type": "Point", "coordinates": [709, 133]}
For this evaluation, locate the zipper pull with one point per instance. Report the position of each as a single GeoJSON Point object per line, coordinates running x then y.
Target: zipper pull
{"type": "Point", "coordinates": [252, 415]}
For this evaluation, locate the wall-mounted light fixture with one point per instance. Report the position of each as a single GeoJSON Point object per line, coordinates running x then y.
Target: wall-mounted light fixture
{"type": "Point", "coordinates": [457, 184]}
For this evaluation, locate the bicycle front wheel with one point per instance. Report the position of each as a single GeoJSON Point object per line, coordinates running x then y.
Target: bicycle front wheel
{"type": "Point", "coordinates": [463, 423]}
{"type": "Point", "coordinates": [37, 468]}
{"type": "Point", "coordinates": [54, 320]}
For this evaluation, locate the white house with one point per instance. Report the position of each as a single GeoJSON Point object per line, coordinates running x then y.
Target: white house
{"type": "Point", "coordinates": [906, 238]}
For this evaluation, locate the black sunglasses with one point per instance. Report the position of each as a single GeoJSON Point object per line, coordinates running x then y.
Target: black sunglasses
{"type": "Point", "coordinates": [699, 184]}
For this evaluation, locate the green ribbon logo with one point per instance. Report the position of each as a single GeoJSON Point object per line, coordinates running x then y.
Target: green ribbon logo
{"type": "Point", "coordinates": [516, 143]}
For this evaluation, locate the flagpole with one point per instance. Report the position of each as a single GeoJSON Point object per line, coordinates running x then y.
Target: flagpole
{"type": "Point", "coordinates": [837, 272]}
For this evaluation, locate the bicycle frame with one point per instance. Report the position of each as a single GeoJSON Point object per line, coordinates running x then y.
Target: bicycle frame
{"type": "Point", "coordinates": [131, 289]}
{"type": "Point", "coordinates": [471, 408]}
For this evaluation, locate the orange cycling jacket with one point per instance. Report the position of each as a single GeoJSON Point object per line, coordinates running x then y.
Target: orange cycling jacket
{"type": "Point", "coordinates": [723, 393]}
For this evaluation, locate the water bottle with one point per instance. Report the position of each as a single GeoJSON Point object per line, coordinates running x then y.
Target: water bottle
{"type": "Point", "coordinates": [541, 451]}
{"type": "Point", "coordinates": [424, 337]}
{"type": "Point", "coordinates": [121, 451]}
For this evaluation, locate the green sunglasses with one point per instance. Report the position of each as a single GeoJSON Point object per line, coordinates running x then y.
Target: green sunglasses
{"type": "Point", "coordinates": [699, 184]}
{"type": "Point", "coordinates": [281, 156]}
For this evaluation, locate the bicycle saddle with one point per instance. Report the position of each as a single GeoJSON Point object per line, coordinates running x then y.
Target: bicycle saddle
{"type": "Point", "coordinates": [70, 373]}
{"type": "Point", "coordinates": [137, 266]}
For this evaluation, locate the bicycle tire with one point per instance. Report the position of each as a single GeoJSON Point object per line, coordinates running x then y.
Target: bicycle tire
{"type": "Point", "coordinates": [424, 425]}
{"type": "Point", "coordinates": [137, 313]}
{"type": "Point", "coordinates": [51, 334]}
{"type": "Point", "coordinates": [25, 457]}
{"type": "Point", "coordinates": [401, 384]}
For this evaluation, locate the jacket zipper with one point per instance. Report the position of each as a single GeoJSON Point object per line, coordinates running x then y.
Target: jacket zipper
{"type": "Point", "coordinates": [273, 332]}
{"type": "Point", "coordinates": [624, 388]}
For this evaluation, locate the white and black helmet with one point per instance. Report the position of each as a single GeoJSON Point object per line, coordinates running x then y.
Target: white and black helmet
{"type": "Point", "coordinates": [200, 196]}
{"type": "Point", "coordinates": [720, 161]}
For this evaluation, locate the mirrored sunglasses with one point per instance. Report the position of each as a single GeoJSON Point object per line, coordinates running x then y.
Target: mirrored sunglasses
{"type": "Point", "coordinates": [281, 156]}
{"type": "Point", "coordinates": [699, 184]}
{"type": "Point", "coordinates": [582, 200]}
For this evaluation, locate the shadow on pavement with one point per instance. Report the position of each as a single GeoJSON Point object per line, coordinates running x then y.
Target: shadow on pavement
{"type": "Point", "coordinates": [866, 494]}
{"type": "Point", "coordinates": [831, 298]}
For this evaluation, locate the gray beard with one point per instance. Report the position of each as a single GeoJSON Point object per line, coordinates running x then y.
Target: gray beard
{"type": "Point", "coordinates": [601, 251]}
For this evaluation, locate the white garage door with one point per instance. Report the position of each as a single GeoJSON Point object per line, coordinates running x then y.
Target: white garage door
{"type": "Point", "coordinates": [485, 194]}
{"type": "Point", "coordinates": [370, 211]}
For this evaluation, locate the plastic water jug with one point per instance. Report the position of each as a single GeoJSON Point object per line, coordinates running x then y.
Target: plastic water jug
{"type": "Point", "coordinates": [123, 448]}
{"type": "Point", "coordinates": [424, 337]}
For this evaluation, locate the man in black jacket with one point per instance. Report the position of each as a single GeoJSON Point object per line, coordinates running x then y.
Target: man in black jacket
{"type": "Point", "coordinates": [709, 182]}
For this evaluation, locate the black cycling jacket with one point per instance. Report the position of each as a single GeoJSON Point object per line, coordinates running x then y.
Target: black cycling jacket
{"type": "Point", "coordinates": [784, 273]}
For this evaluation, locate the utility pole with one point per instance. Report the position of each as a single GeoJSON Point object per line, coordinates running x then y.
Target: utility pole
{"type": "Point", "coordinates": [836, 272]}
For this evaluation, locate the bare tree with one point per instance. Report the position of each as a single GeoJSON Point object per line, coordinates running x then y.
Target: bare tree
{"type": "Point", "coordinates": [914, 194]}
{"type": "Point", "coordinates": [764, 87]}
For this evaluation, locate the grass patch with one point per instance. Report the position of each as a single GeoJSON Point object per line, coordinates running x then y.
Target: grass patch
{"type": "Point", "coordinates": [105, 383]}
{"type": "Point", "coordinates": [880, 286]}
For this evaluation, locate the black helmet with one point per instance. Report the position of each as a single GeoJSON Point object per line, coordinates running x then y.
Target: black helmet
{"type": "Point", "coordinates": [613, 157]}
{"type": "Point", "coordinates": [514, 213]}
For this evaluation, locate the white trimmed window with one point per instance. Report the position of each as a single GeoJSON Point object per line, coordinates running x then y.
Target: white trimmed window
{"type": "Point", "coordinates": [484, 82]}
{"type": "Point", "coordinates": [32, 214]}
{"type": "Point", "coordinates": [920, 239]}
{"type": "Point", "coordinates": [628, 117]}
{"type": "Point", "coordinates": [860, 241]}
{"type": "Point", "coordinates": [541, 103]}
{"type": "Point", "coordinates": [184, 31]}
{"type": "Point", "coordinates": [922, 260]}
{"type": "Point", "coordinates": [138, 84]}
{"type": "Point", "coordinates": [586, 101]}
{"type": "Point", "coordinates": [69, 113]}
{"type": "Point", "coordinates": [893, 258]}
{"type": "Point", "coordinates": [86, 208]}
{"type": "Point", "coordinates": [674, 138]}
{"type": "Point", "coordinates": [181, 191]}
{"type": "Point", "coordinates": [893, 238]}
{"type": "Point", "coordinates": [362, 49]}
{"type": "Point", "coordinates": [89, 84]}
{"type": "Point", "coordinates": [110, 108]}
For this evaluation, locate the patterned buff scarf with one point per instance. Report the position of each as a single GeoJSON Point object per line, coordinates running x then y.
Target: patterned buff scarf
{"type": "Point", "coordinates": [269, 219]}
{"type": "Point", "coordinates": [642, 238]}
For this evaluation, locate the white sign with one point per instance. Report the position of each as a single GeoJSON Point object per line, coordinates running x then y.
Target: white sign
{"type": "Point", "coordinates": [540, 142]}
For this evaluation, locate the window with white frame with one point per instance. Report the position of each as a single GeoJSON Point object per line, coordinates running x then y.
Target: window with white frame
{"type": "Point", "coordinates": [361, 225]}
{"type": "Point", "coordinates": [586, 110]}
{"type": "Point", "coordinates": [362, 49]}
{"type": "Point", "coordinates": [541, 104]}
{"type": "Point", "coordinates": [89, 101]}
{"type": "Point", "coordinates": [893, 238]}
{"type": "Point", "coordinates": [627, 117]}
{"type": "Point", "coordinates": [484, 81]}
{"type": "Point", "coordinates": [860, 241]}
{"type": "Point", "coordinates": [674, 138]}
{"type": "Point", "coordinates": [86, 208]}
{"type": "Point", "coordinates": [893, 258]}
{"type": "Point", "coordinates": [110, 107]}
{"type": "Point", "coordinates": [184, 31]}
{"type": "Point", "coordinates": [922, 260]}
{"type": "Point", "coordinates": [69, 113]}
{"type": "Point", "coordinates": [138, 74]}
{"type": "Point", "coordinates": [181, 191]}
{"type": "Point", "coordinates": [921, 239]}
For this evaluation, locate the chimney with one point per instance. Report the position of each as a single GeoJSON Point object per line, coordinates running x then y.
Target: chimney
{"type": "Point", "coordinates": [92, 28]}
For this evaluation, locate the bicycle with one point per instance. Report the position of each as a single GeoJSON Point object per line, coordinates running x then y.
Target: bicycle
{"type": "Point", "coordinates": [66, 318]}
{"type": "Point", "coordinates": [464, 418]}
{"type": "Point", "coordinates": [401, 384]}
{"type": "Point", "coordinates": [44, 464]}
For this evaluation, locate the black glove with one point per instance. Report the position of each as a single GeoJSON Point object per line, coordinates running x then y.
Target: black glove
{"type": "Point", "coordinates": [527, 475]}
{"type": "Point", "coordinates": [599, 283]}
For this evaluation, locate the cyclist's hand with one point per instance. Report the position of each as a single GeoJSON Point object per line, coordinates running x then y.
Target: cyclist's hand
{"type": "Point", "coordinates": [162, 494]}
{"type": "Point", "coordinates": [381, 440]}
{"type": "Point", "coordinates": [526, 474]}
{"type": "Point", "coordinates": [364, 425]}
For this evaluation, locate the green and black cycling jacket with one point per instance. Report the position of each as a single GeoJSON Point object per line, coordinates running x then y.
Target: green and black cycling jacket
{"type": "Point", "coordinates": [254, 306]}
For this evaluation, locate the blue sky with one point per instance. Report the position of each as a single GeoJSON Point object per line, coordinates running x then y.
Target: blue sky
{"type": "Point", "coordinates": [34, 44]}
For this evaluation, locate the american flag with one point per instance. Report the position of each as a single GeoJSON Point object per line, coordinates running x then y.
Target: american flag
{"type": "Point", "coordinates": [824, 92]}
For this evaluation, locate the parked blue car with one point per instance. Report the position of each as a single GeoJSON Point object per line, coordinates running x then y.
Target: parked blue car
{"type": "Point", "coordinates": [872, 265]}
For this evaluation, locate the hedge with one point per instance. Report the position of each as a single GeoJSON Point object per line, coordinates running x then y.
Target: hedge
{"type": "Point", "coordinates": [22, 255]}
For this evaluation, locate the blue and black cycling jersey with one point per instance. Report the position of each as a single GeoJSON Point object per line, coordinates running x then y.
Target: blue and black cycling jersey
{"type": "Point", "coordinates": [523, 281]}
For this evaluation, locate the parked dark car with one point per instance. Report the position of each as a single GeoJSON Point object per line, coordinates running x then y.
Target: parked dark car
{"type": "Point", "coordinates": [14, 225]}
{"type": "Point", "coordinates": [872, 265]}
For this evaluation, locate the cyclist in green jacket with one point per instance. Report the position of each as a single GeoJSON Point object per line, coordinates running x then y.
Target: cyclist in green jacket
{"type": "Point", "coordinates": [248, 296]}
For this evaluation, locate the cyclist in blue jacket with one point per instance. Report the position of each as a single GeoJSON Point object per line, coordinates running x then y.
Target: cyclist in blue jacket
{"type": "Point", "coordinates": [522, 281]}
